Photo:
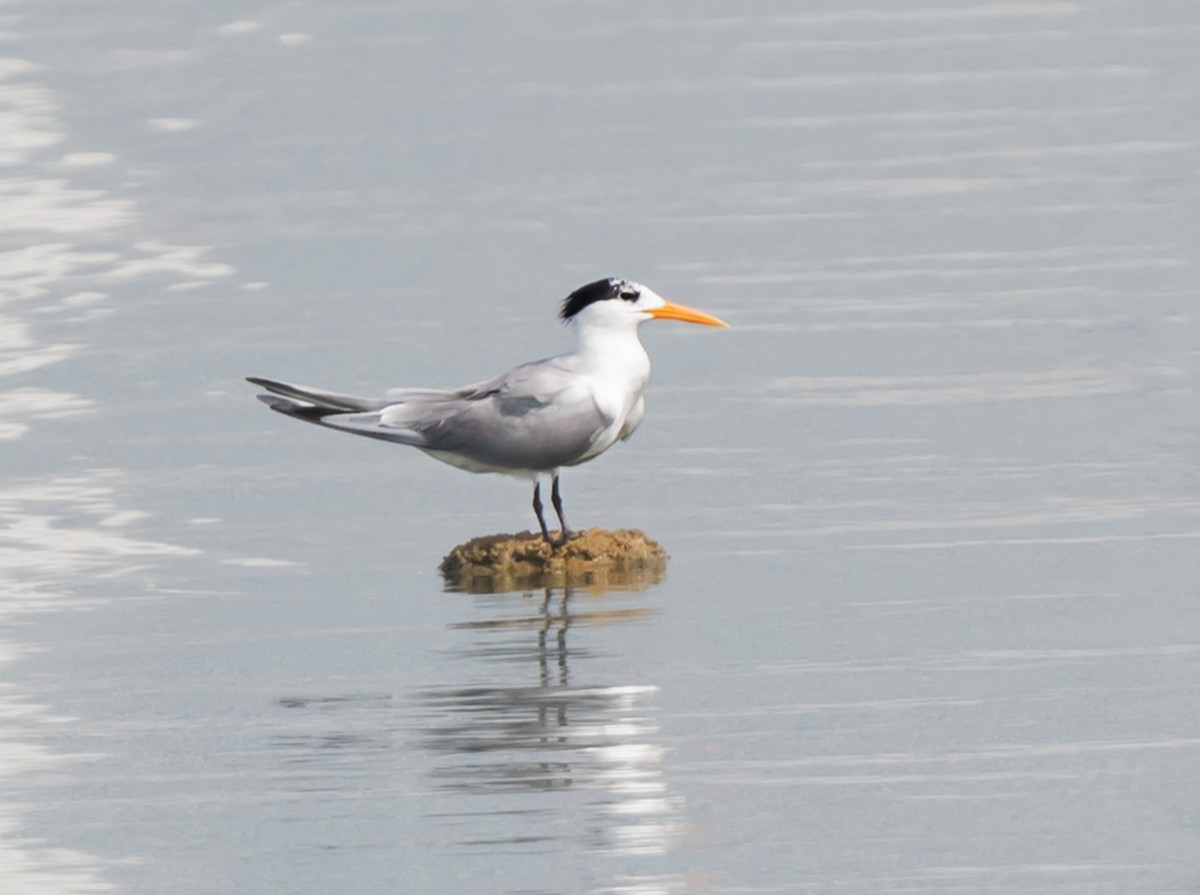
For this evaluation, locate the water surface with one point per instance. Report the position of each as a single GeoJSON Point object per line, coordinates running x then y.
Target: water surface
{"type": "Point", "coordinates": [929, 622]}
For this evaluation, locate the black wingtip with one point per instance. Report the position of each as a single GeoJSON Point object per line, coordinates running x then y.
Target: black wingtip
{"type": "Point", "coordinates": [310, 413]}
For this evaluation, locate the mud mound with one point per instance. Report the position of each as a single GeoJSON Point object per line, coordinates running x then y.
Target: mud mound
{"type": "Point", "coordinates": [596, 559]}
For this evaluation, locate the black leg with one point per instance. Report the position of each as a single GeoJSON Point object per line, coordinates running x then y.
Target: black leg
{"type": "Point", "coordinates": [537, 508]}
{"type": "Point", "coordinates": [556, 499]}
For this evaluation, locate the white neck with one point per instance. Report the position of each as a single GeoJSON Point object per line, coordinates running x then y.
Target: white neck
{"type": "Point", "coordinates": [616, 349]}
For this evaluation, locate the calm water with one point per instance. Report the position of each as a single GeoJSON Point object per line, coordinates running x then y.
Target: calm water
{"type": "Point", "coordinates": [930, 622]}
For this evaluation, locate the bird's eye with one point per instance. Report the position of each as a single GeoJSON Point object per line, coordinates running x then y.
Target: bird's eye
{"type": "Point", "coordinates": [630, 294]}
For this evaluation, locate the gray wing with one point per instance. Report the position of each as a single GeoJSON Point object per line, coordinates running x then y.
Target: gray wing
{"type": "Point", "coordinates": [538, 416]}
{"type": "Point", "coordinates": [350, 413]}
{"type": "Point", "coordinates": [318, 397]}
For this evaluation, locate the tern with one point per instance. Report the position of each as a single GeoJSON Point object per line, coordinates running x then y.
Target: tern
{"type": "Point", "coordinates": [531, 421]}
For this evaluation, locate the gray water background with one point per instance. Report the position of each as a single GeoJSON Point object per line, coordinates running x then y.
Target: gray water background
{"type": "Point", "coordinates": [930, 621]}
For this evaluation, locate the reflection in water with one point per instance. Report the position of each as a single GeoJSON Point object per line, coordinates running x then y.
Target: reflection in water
{"type": "Point", "coordinates": [334, 745]}
{"type": "Point", "coordinates": [593, 745]}
{"type": "Point", "coordinates": [532, 756]}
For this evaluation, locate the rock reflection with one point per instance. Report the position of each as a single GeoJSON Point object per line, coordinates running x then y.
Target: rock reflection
{"type": "Point", "coordinates": [578, 760]}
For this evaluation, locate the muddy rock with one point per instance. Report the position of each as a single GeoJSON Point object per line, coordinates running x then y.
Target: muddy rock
{"type": "Point", "coordinates": [595, 559]}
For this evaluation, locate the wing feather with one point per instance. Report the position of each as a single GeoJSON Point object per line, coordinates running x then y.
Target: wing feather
{"type": "Point", "coordinates": [319, 397]}
{"type": "Point", "coordinates": [539, 416]}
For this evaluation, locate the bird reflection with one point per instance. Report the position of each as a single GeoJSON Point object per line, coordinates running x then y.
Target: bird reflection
{"type": "Point", "coordinates": [546, 744]}
{"type": "Point", "coordinates": [510, 744]}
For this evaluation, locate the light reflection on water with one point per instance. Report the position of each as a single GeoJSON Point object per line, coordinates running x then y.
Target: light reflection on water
{"type": "Point", "coordinates": [579, 763]}
{"type": "Point", "coordinates": [535, 759]}
{"type": "Point", "coordinates": [598, 741]}
{"type": "Point", "coordinates": [63, 249]}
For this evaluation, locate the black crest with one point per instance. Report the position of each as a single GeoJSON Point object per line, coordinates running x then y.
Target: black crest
{"type": "Point", "coordinates": [601, 290]}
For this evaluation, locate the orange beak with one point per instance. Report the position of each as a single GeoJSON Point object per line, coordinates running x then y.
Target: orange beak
{"type": "Point", "coordinates": [672, 311]}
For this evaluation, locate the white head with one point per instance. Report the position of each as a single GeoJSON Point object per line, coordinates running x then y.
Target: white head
{"type": "Point", "coordinates": [615, 302]}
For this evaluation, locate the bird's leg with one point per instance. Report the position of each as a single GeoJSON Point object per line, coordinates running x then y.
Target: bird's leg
{"type": "Point", "coordinates": [556, 499]}
{"type": "Point", "coordinates": [537, 508]}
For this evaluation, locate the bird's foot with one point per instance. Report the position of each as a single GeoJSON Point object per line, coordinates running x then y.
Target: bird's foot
{"type": "Point", "coordinates": [562, 538]}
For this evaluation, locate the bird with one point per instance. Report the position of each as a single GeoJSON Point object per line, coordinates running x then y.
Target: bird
{"type": "Point", "coordinates": [531, 421]}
